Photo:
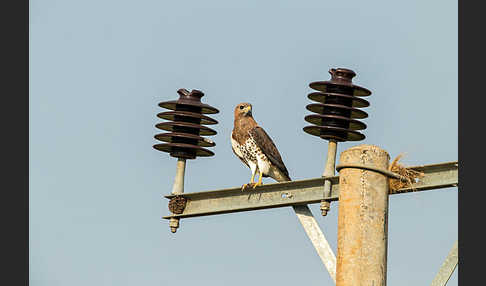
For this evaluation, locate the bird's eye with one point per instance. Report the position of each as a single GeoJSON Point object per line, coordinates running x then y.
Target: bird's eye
{"type": "Point", "coordinates": [241, 106]}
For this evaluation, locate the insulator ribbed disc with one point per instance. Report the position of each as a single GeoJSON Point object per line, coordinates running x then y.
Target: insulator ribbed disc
{"type": "Point", "coordinates": [187, 117]}
{"type": "Point", "coordinates": [182, 150]}
{"type": "Point", "coordinates": [188, 105]}
{"type": "Point", "coordinates": [176, 137]}
{"type": "Point", "coordinates": [323, 108]}
{"type": "Point", "coordinates": [325, 86]}
{"type": "Point", "coordinates": [329, 97]}
{"type": "Point", "coordinates": [186, 127]}
{"type": "Point", "coordinates": [336, 133]}
{"type": "Point", "coordinates": [328, 120]}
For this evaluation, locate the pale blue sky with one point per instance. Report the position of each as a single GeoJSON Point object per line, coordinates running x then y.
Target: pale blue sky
{"type": "Point", "coordinates": [98, 70]}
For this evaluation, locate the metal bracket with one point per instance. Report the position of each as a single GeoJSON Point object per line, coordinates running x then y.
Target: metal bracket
{"type": "Point", "coordinates": [387, 173]}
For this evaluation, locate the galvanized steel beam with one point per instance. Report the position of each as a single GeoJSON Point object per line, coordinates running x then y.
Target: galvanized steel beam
{"type": "Point", "coordinates": [309, 191]}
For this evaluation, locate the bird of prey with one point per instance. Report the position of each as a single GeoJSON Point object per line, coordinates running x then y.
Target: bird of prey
{"type": "Point", "coordinates": [252, 145]}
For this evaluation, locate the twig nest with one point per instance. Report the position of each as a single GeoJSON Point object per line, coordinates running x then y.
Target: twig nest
{"type": "Point", "coordinates": [411, 175]}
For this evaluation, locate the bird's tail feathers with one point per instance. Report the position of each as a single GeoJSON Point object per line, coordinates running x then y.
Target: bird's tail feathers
{"type": "Point", "coordinates": [282, 178]}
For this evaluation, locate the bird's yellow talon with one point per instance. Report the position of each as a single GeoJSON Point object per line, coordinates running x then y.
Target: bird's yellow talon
{"type": "Point", "coordinates": [257, 184]}
{"type": "Point", "coordinates": [247, 185]}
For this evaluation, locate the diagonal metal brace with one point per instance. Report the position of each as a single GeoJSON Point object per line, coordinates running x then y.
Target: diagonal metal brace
{"type": "Point", "coordinates": [447, 267]}
{"type": "Point", "coordinates": [317, 238]}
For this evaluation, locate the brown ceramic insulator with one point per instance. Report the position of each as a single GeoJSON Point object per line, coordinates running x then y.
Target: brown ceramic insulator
{"type": "Point", "coordinates": [185, 126]}
{"type": "Point", "coordinates": [338, 107]}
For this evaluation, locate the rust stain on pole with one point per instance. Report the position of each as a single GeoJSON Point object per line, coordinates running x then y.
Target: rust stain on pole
{"type": "Point", "coordinates": [362, 218]}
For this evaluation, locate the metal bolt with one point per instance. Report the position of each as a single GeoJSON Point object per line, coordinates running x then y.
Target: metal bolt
{"type": "Point", "coordinates": [325, 207]}
{"type": "Point", "coordinates": [173, 224]}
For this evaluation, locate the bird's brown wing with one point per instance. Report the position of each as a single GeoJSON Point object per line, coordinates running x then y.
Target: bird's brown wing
{"type": "Point", "coordinates": [268, 147]}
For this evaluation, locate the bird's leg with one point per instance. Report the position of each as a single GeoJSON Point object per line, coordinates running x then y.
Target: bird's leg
{"type": "Point", "coordinates": [259, 183]}
{"type": "Point", "coordinates": [252, 182]}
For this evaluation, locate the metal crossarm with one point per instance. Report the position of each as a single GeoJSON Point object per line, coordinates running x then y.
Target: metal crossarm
{"type": "Point", "coordinates": [309, 191]}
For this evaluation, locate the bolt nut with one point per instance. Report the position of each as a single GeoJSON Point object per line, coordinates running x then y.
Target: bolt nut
{"type": "Point", "coordinates": [325, 207]}
{"type": "Point", "coordinates": [173, 224]}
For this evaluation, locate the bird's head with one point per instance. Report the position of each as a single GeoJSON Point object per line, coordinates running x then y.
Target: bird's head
{"type": "Point", "coordinates": [242, 110]}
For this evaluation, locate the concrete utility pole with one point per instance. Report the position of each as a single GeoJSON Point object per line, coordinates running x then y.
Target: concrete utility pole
{"type": "Point", "coordinates": [362, 218]}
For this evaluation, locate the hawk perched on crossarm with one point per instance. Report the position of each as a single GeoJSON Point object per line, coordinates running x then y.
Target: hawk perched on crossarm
{"type": "Point", "coordinates": [252, 145]}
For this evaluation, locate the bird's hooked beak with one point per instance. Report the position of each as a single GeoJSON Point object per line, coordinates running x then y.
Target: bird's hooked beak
{"type": "Point", "coordinates": [247, 110]}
